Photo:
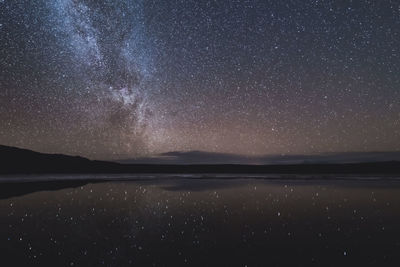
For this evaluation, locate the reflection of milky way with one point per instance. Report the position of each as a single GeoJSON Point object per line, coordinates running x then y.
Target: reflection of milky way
{"type": "Point", "coordinates": [108, 79]}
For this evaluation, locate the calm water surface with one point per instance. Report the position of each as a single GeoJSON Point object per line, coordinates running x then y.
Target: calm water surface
{"type": "Point", "coordinates": [211, 222]}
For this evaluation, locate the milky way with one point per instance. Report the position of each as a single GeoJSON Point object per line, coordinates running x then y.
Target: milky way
{"type": "Point", "coordinates": [117, 80]}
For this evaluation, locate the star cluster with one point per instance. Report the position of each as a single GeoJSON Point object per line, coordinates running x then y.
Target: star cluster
{"type": "Point", "coordinates": [108, 79]}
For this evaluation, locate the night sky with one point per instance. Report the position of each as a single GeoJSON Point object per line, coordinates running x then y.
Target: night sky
{"type": "Point", "coordinates": [134, 78]}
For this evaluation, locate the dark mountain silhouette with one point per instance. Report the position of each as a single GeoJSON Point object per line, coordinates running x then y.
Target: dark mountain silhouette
{"type": "Point", "coordinates": [15, 160]}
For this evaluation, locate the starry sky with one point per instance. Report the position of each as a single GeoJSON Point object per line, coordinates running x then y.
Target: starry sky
{"type": "Point", "coordinates": [121, 79]}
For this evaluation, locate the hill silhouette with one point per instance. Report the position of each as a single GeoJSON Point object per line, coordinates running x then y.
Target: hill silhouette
{"type": "Point", "coordinates": [22, 161]}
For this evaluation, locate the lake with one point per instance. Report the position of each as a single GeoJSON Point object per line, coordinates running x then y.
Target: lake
{"type": "Point", "coordinates": [202, 222]}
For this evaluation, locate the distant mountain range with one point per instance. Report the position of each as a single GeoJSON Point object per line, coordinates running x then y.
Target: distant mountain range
{"type": "Point", "coordinates": [201, 157]}
{"type": "Point", "coordinates": [15, 161]}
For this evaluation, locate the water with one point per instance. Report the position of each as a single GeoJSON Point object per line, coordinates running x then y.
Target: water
{"type": "Point", "coordinates": [209, 222]}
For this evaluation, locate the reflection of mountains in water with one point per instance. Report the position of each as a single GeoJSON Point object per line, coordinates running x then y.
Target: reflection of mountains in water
{"type": "Point", "coordinates": [194, 183]}
{"type": "Point", "coordinates": [15, 160]}
{"type": "Point", "coordinates": [8, 190]}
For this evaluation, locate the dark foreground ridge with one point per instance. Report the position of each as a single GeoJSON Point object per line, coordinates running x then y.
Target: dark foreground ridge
{"type": "Point", "coordinates": [22, 161]}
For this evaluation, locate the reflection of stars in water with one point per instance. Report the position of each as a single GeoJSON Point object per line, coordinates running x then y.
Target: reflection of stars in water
{"type": "Point", "coordinates": [113, 218]}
